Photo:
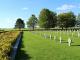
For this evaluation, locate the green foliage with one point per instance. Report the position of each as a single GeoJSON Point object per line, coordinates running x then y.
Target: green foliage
{"type": "Point", "coordinates": [47, 19]}
{"type": "Point", "coordinates": [32, 22]}
{"type": "Point", "coordinates": [78, 20]}
{"type": "Point", "coordinates": [66, 20]}
{"type": "Point", "coordinates": [78, 17]}
{"type": "Point", "coordinates": [19, 23]}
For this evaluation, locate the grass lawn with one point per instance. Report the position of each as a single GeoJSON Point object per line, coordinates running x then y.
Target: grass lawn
{"type": "Point", "coordinates": [35, 47]}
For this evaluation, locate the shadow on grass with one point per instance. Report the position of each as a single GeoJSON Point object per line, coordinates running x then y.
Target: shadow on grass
{"type": "Point", "coordinates": [75, 45]}
{"type": "Point", "coordinates": [63, 41]}
{"type": "Point", "coordinates": [21, 54]}
{"type": "Point", "coordinates": [67, 42]}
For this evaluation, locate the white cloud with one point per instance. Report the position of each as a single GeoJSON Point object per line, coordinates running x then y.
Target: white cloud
{"type": "Point", "coordinates": [25, 8]}
{"type": "Point", "coordinates": [66, 7]}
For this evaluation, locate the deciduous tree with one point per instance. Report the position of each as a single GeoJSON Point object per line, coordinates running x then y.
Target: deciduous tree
{"type": "Point", "coordinates": [19, 23]}
{"type": "Point", "coordinates": [47, 19]}
{"type": "Point", "coordinates": [32, 22]}
{"type": "Point", "coordinates": [66, 20]}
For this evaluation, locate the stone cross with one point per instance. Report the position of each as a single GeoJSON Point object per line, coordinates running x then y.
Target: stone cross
{"type": "Point", "coordinates": [50, 36]}
{"type": "Point", "coordinates": [45, 36]}
{"type": "Point", "coordinates": [54, 37]}
{"type": "Point", "coordinates": [69, 42]}
{"type": "Point", "coordinates": [60, 39]}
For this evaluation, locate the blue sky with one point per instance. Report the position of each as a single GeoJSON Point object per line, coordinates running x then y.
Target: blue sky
{"type": "Point", "coordinates": [10, 10]}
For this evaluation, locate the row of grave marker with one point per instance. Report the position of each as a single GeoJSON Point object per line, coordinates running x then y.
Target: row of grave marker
{"type": "Point", "coordinates": [69, 39]}
{"type": "Point", "coordinates": [68, 32]}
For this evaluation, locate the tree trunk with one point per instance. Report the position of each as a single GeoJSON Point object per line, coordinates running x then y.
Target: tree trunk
{"type": "Point", "coordinates": [33, 28]}
{"type": "Point", "coordinates": [62, 28]}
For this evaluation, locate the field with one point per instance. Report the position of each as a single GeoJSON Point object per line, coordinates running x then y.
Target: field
{"type": "Point", "coordinates": [7, 40]}
{"type": "Point", "coordinates": [35, 46]}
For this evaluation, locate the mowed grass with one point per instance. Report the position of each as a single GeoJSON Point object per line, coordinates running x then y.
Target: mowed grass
{"type": "Point", "coordinates": [36, 47]}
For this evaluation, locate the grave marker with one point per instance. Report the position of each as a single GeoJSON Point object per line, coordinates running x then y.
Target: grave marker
{"type": "Point", "coordinates": [45, 36]}
{"type": "Point", "coordinates": [54, 37]}
{"type": "Point", "coordinates": [50, 36]}
{"type": "Point", "coordinates": [60, 39]}
{"type": "Point", "coordinates": [69, 42]}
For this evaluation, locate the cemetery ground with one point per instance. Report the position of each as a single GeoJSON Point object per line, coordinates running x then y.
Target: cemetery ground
{"type": "Point", "coordinates": [38, 45]}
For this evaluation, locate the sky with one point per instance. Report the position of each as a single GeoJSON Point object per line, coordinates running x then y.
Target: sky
{"type": "Point", "coordinates": [10, 10]}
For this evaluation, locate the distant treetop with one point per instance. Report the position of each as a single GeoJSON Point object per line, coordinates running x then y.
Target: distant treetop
{"type": "Point", "coordinates": [19, 23]}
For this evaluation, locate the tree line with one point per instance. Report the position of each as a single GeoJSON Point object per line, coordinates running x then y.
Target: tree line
{"type": "Point", "coordinates": [48, 19]}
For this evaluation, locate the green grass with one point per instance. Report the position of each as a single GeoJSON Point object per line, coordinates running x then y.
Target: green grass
{"type": "Point", "coordinates": [36, 47]}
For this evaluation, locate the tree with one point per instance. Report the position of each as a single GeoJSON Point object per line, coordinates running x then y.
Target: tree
{"type": "Point", "coordinates": [78, 20]}
{"type": "Point", "coordinates": [32, 21]}
{"type": "Point", "coordinates": [19, 23]}
{"type": "Point", "coordinates": [66, 20]}
{"type": "Point", "coordinates": [47, 19]}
